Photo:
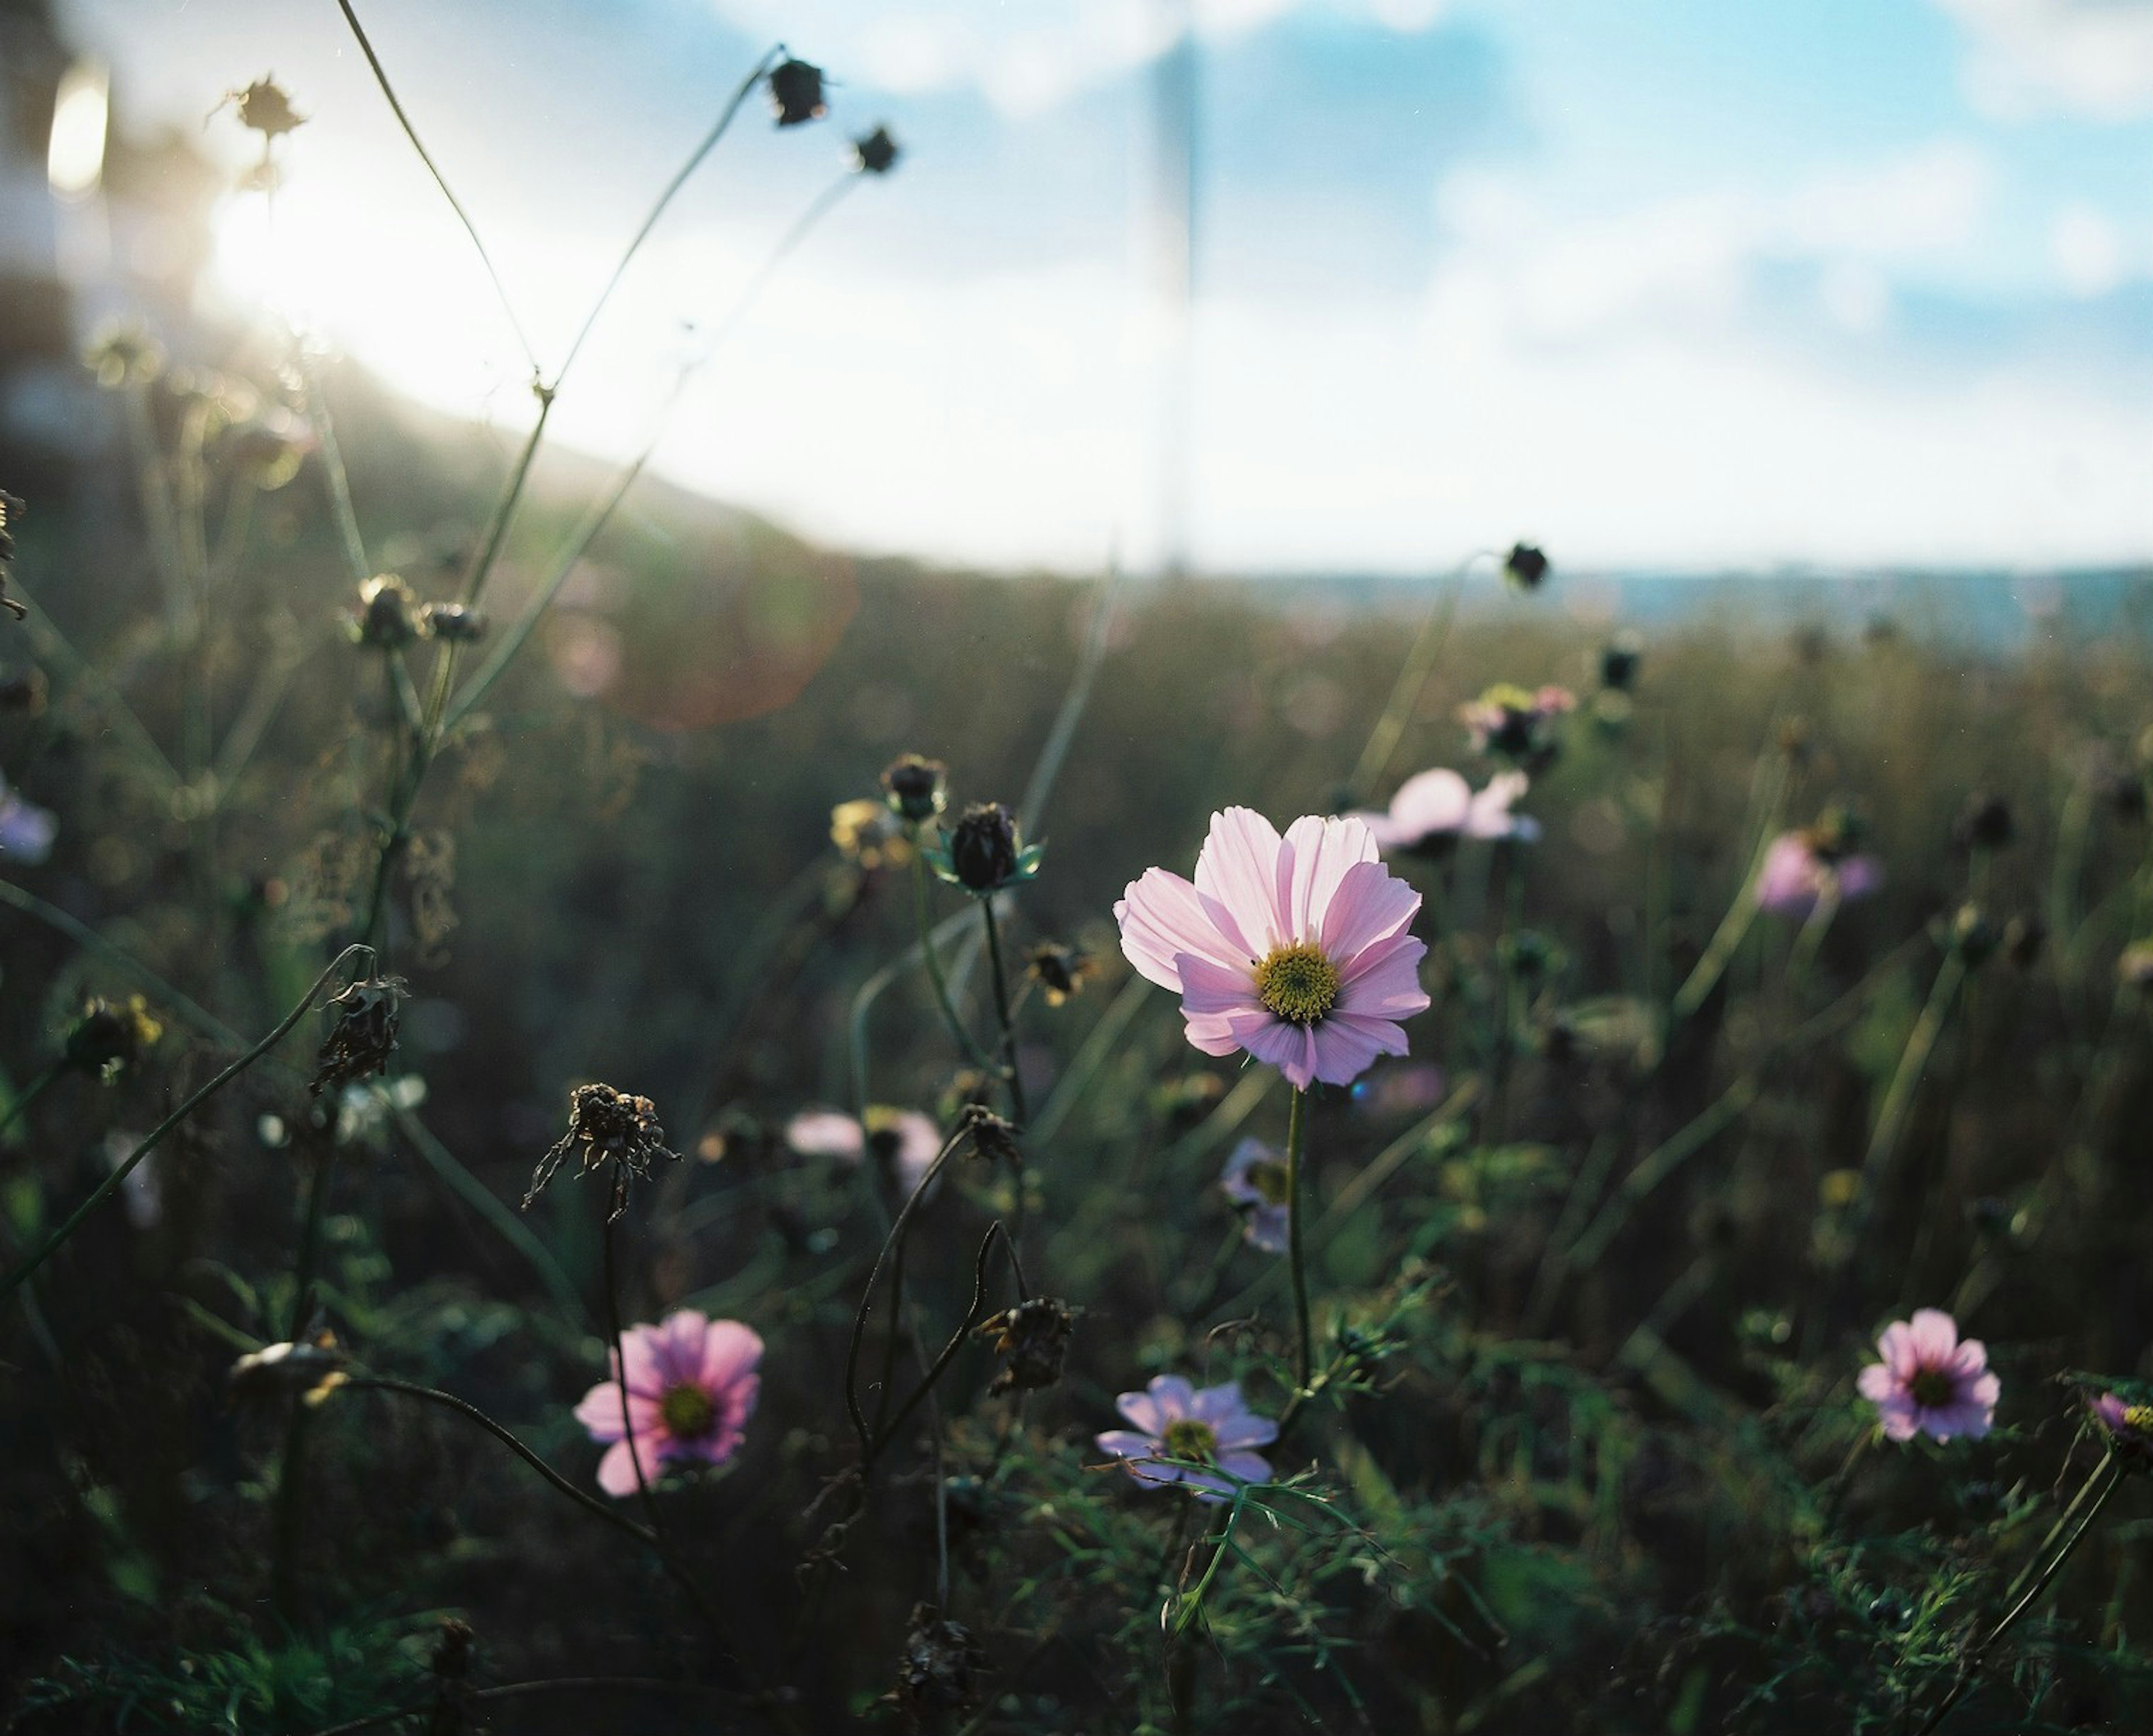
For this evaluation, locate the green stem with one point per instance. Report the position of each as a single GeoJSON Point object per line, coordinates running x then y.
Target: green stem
{"type": "Point", "coordinates": [1018, 1113]}
{"type": "Point", "coordinates": [1296, 1221]}
{"type": "Point", "coordinates": [1735, 924]}
{"type": "Point", "coordinates": [1913, 1062]}
{"type": "Point", "coordinates": [1412, 678]}
{"type": "Point", "coordinates": [105, 1188]}
{"type": "Point", "coordinates": [924, 917]}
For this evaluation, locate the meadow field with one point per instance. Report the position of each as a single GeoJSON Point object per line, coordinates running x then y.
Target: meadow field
{"type": "Point", "coordinates": [1618, 1202]}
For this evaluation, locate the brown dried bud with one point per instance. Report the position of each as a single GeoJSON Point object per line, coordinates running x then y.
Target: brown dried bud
{"type": "Point", "coordinates": [940, 1671]}
{"type": "Point", "coordinates": [914, 788]}
{"type": "Point", "coordinates": [364, 1035]}
{"type": "Point", "coordinates": [796, 93]}
{"type": "Point", "coordinates": [388, 613]}
{"type": "Point", "coordinates": [992, 1137]}
{"type": "Point", "coordinates": [877, 154]}
{"type": "Point", "coordinates": [1524, 568]}
{"type": "Point", "coordinates": [1035, 1336]}
{"type": "Point", "coordinates": [608, 1129]}
{"type": "Point", "coordinates": [264, 107]}
{"type": "Point", "coordinates": [1061, 971]}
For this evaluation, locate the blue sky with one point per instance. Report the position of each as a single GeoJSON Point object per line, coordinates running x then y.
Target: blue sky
{"type": "Point", "coordinates": [1672, 283]}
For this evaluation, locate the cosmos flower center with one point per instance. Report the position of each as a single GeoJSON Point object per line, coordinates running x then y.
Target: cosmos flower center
{"type": "Point", "coordinates": [1298, 984]}
{"type": "Point", "coordinates": [1185, 1437]}
{"type": "Point", "coordinates": [1932, 1388]}
{"type": "Point", "coordinates": [1269, 1179]}
{"type": "Point", "coordinates": [2139, 1417]}
{"type": "Point", "coordinates": [687, 1412]}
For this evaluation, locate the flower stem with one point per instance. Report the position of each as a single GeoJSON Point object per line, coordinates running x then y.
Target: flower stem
{"type": "Point", "coordinates": [1017, 1111]}
{"type": "Point", "coordinates": [924, 915]}
{"type": "Point", "coordinates": [1296, 1217]}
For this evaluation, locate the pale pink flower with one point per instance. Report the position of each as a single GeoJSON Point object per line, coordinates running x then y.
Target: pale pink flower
{"type": "Point", "coordinates": [691, 1387]}
{"type": "Point", "coordinates": [1295, 949]}
{"type": "Point", "coordinates": [1432, 809]}
{"type": "Point", "coordinates": [1797, 872]}
{"type": "Point", "coordinates": [909, 1140]}
{"type": "Point", "coordinates": [1930, 1382]}
{"type": "Point", "coordinates": [1207, 1426]}
{"type": "Point", "coordinates": [1255, 1178]}
{"type": "Point", "coordinates": [27, 831]}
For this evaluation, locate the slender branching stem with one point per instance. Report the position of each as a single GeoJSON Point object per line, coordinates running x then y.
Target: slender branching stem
{"type": "Point", "coordinates": [1018, 1113]}
{"type": "Point", "coordinates": [924, 916]}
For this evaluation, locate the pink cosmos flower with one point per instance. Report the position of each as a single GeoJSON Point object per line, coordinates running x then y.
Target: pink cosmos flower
{"type": "Point", "coordinates": [691, 1387]}
{"type": "Point", "coordinates": [1294, 949]}
{"type": "Point", "coordinates": [1432, 809]}
{"type": "Point", "coordinates": [2129, 1427]}
{"type": "Point", "coordinates": [27, 831]}
{"type": "Point", "coordinates": [1206, 1426]}
{"type": "Point", "coordinates": [1254, 1179]}
{"type": "Point", "coordinates": [1797, 872]}
{"type": "Point", "coordinates": [1515, 723]}
{"type": "Point", "coordinates": [1930, 1382]}
{"type": "Point", "coordinates": [909, 1140]}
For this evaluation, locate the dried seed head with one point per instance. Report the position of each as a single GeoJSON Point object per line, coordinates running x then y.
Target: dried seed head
{"type": "Point", "coordinates": [108, 1036]}
{"type": "Point", "coordinates": [1619, 659]}
{"type": "Point", "coordinates": [312, 1370]}
{"type": "Point", "coordinates": [796, 93]}
{"type": "Point", "coordinates": [982, 851]}
{"type": "Point", "coordinates": [1061, 971]}
{"type": "Point", "coordinates": [914, 788]}
{"type": "Point", "coordinates": [265, 107]}
{"type": "Point", "coordinates": [364, 1035]}
{"type": "Point", "coordinates": [992, 1137]}
{"type": "Point", "coordinates": [388, 616]}
{"type": "Point", "coordinates": [1524, 568]}
{"type": "Point", "coordinates": [608, 1129]}
{"type": "Point", "coordinates": [1035, 1336]}
{"type": "Point", "coordinates": [940, 1671]}
{"type": "Point", "coordinates": [877, 154]}
{"type": "Point", "coordinates": [451, 621]}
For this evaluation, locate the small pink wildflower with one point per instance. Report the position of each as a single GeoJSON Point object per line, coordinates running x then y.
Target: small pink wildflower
{"type": "Point", "coordinates": [1255, 1178]}
{"type": "Point", "coordinates": [1930, 1382]}
{"type": "Point", "coordinates": [27, 831]}
{"type": "Point", "coordinates": [1295, 949]}
{"type": "Point", "coordinates": [1515, 723]}
{"type": "Point", "coordinates": [1432, 809]}
{"type": "Point", "coordinates": [691, 1387]}
{"type": "Point", "coordinates": [1206, 1426]}
{"type": "Point", "coordinates": [909, 1140]}
{"type": "Point", "coordinates": [2129, 1427]}
{"type": "Point", "coordinates": [1799, 870]}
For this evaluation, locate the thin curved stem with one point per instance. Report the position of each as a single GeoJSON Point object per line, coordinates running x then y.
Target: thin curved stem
{"type": "Point", "coordinates": [891, 1242]}
{"type": "Point", "coordinates": [1413, 677]}
{"type": "Point", "coordinates": [1296, 1214]}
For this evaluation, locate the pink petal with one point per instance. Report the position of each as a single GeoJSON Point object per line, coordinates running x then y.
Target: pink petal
{"type": "Point", "coordinates": [731, 1351]}
{"type": "Point", "coordinates": [1237, 869]}
{"type": "Point", "coordinates": [1963, 1418]}
{"type": "Point", "coordinates": [599, 1411]}
{"type": "Point", "coordinates": [1209, 988]}
{"type": "Point", "coordinates": [1369, 905]}
{"type": "Point", "coordinates": [1896, 1346]}
{"type": "Point", "coordinates": [1161, 915]}
{"type": "Point", "coordinates": [1215, 1404]}
{"type": "Point", "coordinates": [1317, 854]}
{"type": "Point", "coordinates": [1936, 1337]}
{"type": "Point", "coordinates": [1876, 1383]}
{"type": "Point", "coordinates": [1970, 1358]}
{"type": "Point", "coordinates": [1986, 1391]}
{"type": "Point", "coordinates": [1286, 1047]}
{"type": "Point", "coordinates": [1246, 1430]}
{"type": "Point", "coordinates": [1428, 802]}
{"type": "Point", "coordinates": [680, 1345]}
{"type": "Point", "coordinates": [1385, 981]}
{"type": "Point", "coordinates": [1897, 1413]}
{"type": "Point", "coordinates": [826, 1133]}
{"type": "Point", "coordinates": [1387, 833]}
{"type": "Point", "coordinates": [1126, 1443]}
{"type": "Point", "coordinates": [1489, 815]}
{"type": "Point", "coordinates": [1249, 1467]}
{"type": "Point", "coordinates": [617, 1470]}
{"type": "Point", "coordinates": [1346, 1047]}
{"type": "Point", "coordinates": [646, 1373]}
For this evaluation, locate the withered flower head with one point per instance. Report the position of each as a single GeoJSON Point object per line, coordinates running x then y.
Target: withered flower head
{"type": "Point", "coordinates": [982, 851]}
{"type": "Point", "coordinates": [313, 1370]}
{"type": "Point", "coordinates": [796, 93]}
{"type": "Point", "coordinates": [108, 1036]}
{"type": "Point", "coordinates": [1035, 1336]}
{"type": "Point", "coordinates": [868, 834]}
{"type": "Point", "coordinates": [387, 616]}
{"type": "Point", "coordinates": [940, 1671]}
{"type": "Point", "coordinates": [123, 354]}
{"type": "Point", "coordinates": [1984, 823]}
{"type": "Point", "coordinates": [1524, 568]}
{"type": "Point", "coordinates": [451, 621]}
{"type": "Point", "coordinates": [265, 107]}
{"type": "Point", "coordinates": [914, 788]}
{"type": "Point", "coordinates": [608, 1129]}
{"type": "Point", "coordinates": [993, 1138]}
{"type": "Point", "coordinates": [364, 1035]}
{"type": "Point", "coordinates": [1973, 936]}
{"type": "Point", "coordinates": [1061, 971]}
{"type": "Point", "coordinates": [877, 154]}
{"type": "Point", "coordinates": [1619, 659]}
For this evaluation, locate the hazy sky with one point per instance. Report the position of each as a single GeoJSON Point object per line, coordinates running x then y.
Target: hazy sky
{"type": "Point", "coordinates": [1663, 283]}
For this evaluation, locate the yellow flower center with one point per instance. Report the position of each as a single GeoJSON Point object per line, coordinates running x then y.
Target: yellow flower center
{"type": "Point", "coordinates": [2139, 1418]}
{"type": "Point", "coordinates": [1269, 1179]}
{"type": "Point", "coordinates": [688, 1412]}
{"type": "Point", "coordinates": [1298, 984]}
{"type": "Point", "coordinates": [1185, 1437]}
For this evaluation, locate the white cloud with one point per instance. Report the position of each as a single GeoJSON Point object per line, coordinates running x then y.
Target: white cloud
{"type": "Point", "coordinates": [2088, 248]}
{"type": "Point", "coordinates": [2090, 57]}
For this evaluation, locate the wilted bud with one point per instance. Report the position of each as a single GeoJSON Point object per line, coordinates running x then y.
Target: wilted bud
{"type": "Point", "coordinates": [1524, 568]}
{"type": "Point", "coordinates": [982, 852]}
{"type": "Point", "coordinates": [1061, 971]}
{"type": "Point", "coordinates": [796, 93]}
{"type": "Point", "coordinates": [877, 154]}
{"type": "Point", "coordinates": [1035, 1336]}
{"type": "Point", "coordinates": [451, 621]}
{"type": "Point", "coordinates": [388, 616]}
{"type": "Point", "coordinates": [940, 1671]}
{"type": "Point", "coordinates": [993, 1138]}
{"type": "Point", "coordinates": [107, 1037]}
{"type": "Point", "coordinates": [364, 1035]}
{"type": "Point", "coordinates": [1973, 936]}
{"type": "Point", "coordinates": [608, 1129]}
{"type": "Point", "coordinates": [1619, 659]}
{"type": "Point", "coordinates": [264, 107]}
{"type": "Point", "coordinates": [1984, 823]}
{"type": "Point", "coordinates": [868, 834]}
{"type": "Point", "coordinates": [2023, 938]}
{"type": "Point", "coordinates": [914, 788]}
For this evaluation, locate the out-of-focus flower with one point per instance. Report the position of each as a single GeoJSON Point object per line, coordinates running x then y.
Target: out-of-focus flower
{"type": "Point", "coordinates": [122, 353]}
{"type": "Point", "coordinates": [266, 108]}
{"type": "Point", "coordinates": [877, 153]}
{"type": "Point", "coordinates": [108, 1035]}
{"type": "Point", "coordinates": [10, 510]}
{"type": "Point", "coordinates": [312, 1370]}
{"type": "Point", "coordinates": [870, 834]}
{"type": "Point", "coordinates": [1514, 724]}
{"type": "Point", "coordinates": [387, 616]}
{"type": "Point", "coordinates": [1432, 809]}
{"type": "Point", "coordinates": [2133, 966]}
{"type": "Point", "coordinates": [1061, 971]}
{"type": "Point", "coordinates": [1035, 1336]}
{"type": "Point", "coordinates": [451, 621]}
{"type": "Point", "coordinates": [366, 1105]}
{"type": "Point", "coordinates": [142, 1188]}
{"type": "Point", "coordinates": [796, 93]}
{"type": "Point", "coordinates": [1619, 659]}
{"type": "Point", "coordinates": [982, 851]}
{"type": "Point", "coordinates": [1254, 1179]}
{"type": "Point", "coordinates": [1210, 1431]}
{"type": "Point", "coordinates": [915, 787]}
{"type": "Point", "coordinates": [903, 1140]}
{"type": "Point", "coordinates": [27, 831]}
{"type": "Point", "coordinates": [1984, 823]}
{"type": "Point", "coordinates": [1930, 1382]}
{"type": "Point", "coordinates": [1972, 935]}
{"type": "Point", "coordinates": [25, 691]}
{"type": "Point", "coordinates": [2129, 1427]}
{"type": "Point", "coordinates": [2023, 937]}
{"type": "Point", "coordinates": [1295, 949]}
{"type": "Point", "coordinates": [609, 1129]}
{"type": "Point", "coordinates": [269, 447]}
{"type": "Point", "coordinates": [1524, 568]}
{"type": "Point", "coordinates": [364, 1035]}
{"type": "Point", "coordinates": [692, 1384]}
{"type": "Point", "coordinates": [1801, 867]}
{"type": "Point", "coordinates": [1413, 1088]}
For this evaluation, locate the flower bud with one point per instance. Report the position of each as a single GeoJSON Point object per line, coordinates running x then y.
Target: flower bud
{"type": "Point", "coordinates": [451, 621]}
{"type": "Point", "coordinates": [914, 788]}
{"type": "Point", "coordinates": [982, 852]}
{"type": "Point", "coordinates": [1619, 659]}
{"type": "Point", "coordinates": [796, 93]}
{"type": "Point", "coordinates": [1524, 568]}
{"type": "Point", "coordinates": [877, 154]}
{"type": "Point", "coordinates": [388, 616]}
{"type": "Point", "coordinates": [107, 1037]}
